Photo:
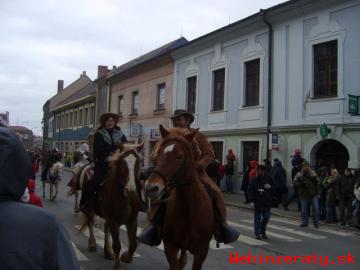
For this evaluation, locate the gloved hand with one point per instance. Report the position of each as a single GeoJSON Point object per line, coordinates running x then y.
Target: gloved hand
{"type": "Point", "coordinates": [267, 186]}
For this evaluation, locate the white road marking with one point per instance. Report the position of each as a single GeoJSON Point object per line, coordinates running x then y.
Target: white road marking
{"type": "Point", "coordinates": [301, 233]}
{"type": "Point", "coordinates": [100, 238]}
{"type": "Point", "coordinates": [327, 230]}
{"type": "Point", "coordinates": [79, 255]}
{"type": "Point", "coordinates": [251, 241]}
{"type": "Point", "coordinates": [272, 234]}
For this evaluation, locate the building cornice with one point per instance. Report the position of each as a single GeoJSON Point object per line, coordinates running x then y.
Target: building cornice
{"type": "Point", "coordinates": [74, 102]}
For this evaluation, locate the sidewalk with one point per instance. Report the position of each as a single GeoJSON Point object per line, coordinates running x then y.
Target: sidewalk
{"type": "Point", "coordinates": [237, 200]}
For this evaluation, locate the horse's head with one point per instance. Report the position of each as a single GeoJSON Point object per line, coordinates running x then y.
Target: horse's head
{"type": "Point", "coordinates": [174, 160]}
{"type": "Point", "coordinates": [125, 165]}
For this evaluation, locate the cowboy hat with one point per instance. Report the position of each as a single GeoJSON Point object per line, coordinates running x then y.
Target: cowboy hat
{"type": "Point", "coordinates": [106, 116]}
{"type": "Point", "coordinates": [178, 113]}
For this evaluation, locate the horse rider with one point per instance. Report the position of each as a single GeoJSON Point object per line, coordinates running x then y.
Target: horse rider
{"type": "Point", "coordinates": [107, 138]}
{"type": "Point", "coordinates": [83, 159]}
{"type": "Point", "coordinates": [223, 232]}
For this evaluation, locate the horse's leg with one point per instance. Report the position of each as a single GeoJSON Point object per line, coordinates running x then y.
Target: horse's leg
{"type": "Point", "coordinates": [76, 207]}
{"type": "Point", "coordinates": [56, 189]}
{"type": "Point", "coordinates": [107, 248]}
{"type": "Point", "coordinates": [128, 255]}
{"type": "Point", "coordinates": [51, 190]}
{"type": "Point", "coordinates": [182, 259]}
{"type": "Point", "coordinates": [116, 246]}
{"type": "Point", "coordinates": [43, 186]}
{"type": "Point", "coordinates": [171, 256]}
{"type": "Point", "coordinates": [200, 257]}
{"type": "Point", "coordinates": [92, 240]}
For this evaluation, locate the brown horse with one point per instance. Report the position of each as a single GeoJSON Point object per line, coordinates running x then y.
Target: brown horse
{"type": "Point", "coordinates": [118, 203]}
{"type": "Point", "coordinates": [189, 219]}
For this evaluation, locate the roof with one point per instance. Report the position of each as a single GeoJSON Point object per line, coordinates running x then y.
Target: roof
{"type": "Point", "coordinates": [20, 128]}
{"type": "Point", "coordinates": [262, 12]}
{"type": "Point", "coordinates": [163, 50]}
{"type": "Point", "coordinates": [88, 90]}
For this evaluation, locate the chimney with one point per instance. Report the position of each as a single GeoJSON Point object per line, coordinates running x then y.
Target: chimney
{"type": "Point", "coordinates": [114, 67]}
{"type": "Point", "coordinates": [102, 71]}
{"type": "Point", "coordinates": [60, 86]}
{"type": "Point", "coordinates": [83, 73]}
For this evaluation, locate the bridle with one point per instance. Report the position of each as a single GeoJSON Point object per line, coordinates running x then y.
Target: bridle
{"type": "Point", "coordinates": [171, 183]}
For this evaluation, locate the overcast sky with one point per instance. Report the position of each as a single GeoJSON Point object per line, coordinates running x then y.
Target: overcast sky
{"type": "Point", "coordinates": [44, 41]}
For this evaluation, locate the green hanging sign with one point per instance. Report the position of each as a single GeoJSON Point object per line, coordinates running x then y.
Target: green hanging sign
{"type": "Point", "coordinates": [324, 131]}
{"type": "Point", "coordinates": [353, 105]}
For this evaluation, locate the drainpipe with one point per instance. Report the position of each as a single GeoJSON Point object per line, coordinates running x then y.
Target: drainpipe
{"type": "Point", "coordinates": [270, 53]}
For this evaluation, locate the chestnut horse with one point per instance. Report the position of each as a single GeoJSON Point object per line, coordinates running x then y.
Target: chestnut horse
{"type": "Point", "coordinates": [118, 203]}
{"type": "Point", "coordinates": [189, 218]}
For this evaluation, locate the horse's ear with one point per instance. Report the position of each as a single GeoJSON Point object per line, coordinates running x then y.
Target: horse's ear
{"type": "Point", "coordinates": [163, 131]}
{"type": "Point", "coordinates": [191, 135]}
{"type": "Point", "coordinates": [139, 146]}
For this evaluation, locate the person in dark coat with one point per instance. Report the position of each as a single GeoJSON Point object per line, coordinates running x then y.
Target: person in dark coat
{"type": "Point", "coordinates": [357, 197]}
{"type": "Point", "coordinates": [260, 193]}
{"type": "Point", "coordinates": [345, 194]}
{"type": "Point", "coordinates": [267, 165]}
{"type": "Point", "coordinates": [329, 184]}
{"type": "Point", "coordinates": [324, 172]}
{"type": "Point", "coordinates": [107, 139]}
{"type": "Point", "coordinates": [278, 174]}
{"type": "Point", "coordinates": [245, 182]}
{"type": "Point", "coordinates": [31, 238]}
{"type": "Point", "coordinates": [229, 172]}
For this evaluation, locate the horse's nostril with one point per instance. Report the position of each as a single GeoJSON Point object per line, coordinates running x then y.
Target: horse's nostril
{"type": "Point", "coordinates": [152, 189]}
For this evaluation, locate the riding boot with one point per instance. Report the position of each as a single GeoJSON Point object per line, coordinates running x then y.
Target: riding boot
{"type": "Point", "coordinates": [152, 234]}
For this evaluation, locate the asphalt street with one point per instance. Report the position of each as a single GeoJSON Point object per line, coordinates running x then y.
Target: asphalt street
{"type": "Point", "coordinates": [288, 246]}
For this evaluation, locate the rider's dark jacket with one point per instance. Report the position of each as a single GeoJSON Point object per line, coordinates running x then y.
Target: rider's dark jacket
{"type": "Point", "coordinates": [30, 237]}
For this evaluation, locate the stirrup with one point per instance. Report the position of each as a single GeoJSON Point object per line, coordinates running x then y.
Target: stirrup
{"type": "Point", "coordinates": [230, 234]}
{"type": "Point", "coordinates": [149, 236]}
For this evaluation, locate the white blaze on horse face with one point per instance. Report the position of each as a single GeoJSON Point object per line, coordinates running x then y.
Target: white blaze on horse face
{"type": "Point", "coordinates": [169, 148]}
{"type": "Point", "coordinates": [130, 162]}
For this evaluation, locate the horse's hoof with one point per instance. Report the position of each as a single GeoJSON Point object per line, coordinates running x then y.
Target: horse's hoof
{"type": "Point", "coordinates": [92, 248]}
{"type": "Point", "coordinates": [126, 258]}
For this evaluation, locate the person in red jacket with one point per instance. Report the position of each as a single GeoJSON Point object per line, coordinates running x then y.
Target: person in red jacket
{"type": "Point", "coordinates": [253, 171]}
{"type": "Point", "coordinates": [34, 199]}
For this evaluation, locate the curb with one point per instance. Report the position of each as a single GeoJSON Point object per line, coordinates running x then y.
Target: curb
{"type": "Point", "coordinates": [351, 229]}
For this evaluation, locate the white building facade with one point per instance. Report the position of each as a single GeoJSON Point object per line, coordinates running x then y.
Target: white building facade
{"type": "Point", "coordinates": [312, 47]}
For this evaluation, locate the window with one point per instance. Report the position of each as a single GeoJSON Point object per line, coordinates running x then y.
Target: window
{"type": "Point", "coordinates": [62, 121]}
{"type": "Point", "coordinates": [218, 89]}
{"type": "Point", "coordinates": [92, 115]}
{"type": "Point", "coordinates": [58, 122]}
{"type": "Point", "coordinates": [250, 152]}
{"type": "Point", "coordinates": [135, 102]}
{"type": "Point", "coordinates": [66, 120]}
{"type": "Point", "coordinates": [75, 118]}
{"type": "Point", "coordinates": [161, 94]}
{"type": "Point", "coordinates": [80, 116]}
{"type": "Point", "coordinates": [191, 94]}
{"type": "Point", "coordinates": [120, 104]}
{"type": "Point", "coordinates": [86, 116]}
{"type": "Point", "coordinates": [325, 69]}
{"type": "Point", "coordinates": [70, 119]}
{"type": "Point", "coordinates": [252, 78]}
{"type": "Point", "coordinates": [218, 149]}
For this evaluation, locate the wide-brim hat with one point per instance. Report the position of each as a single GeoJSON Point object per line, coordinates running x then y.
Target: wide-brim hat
{"type": "Point", "coordinates": [107, 115]}
{"type": "Point", "coordinates": [178, 113]}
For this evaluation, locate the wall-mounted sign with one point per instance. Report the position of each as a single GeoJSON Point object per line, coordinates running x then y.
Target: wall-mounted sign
{"type": "Point", "coordinates": [155, 134]}
{"type": "Point", "coordinates": [135, 130]}
{"type": "Point", "coordinates": [275, 142]}
{"type": "Point", "coordinates": [354, 105]}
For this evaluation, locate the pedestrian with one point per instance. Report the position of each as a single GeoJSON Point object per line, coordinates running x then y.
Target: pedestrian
{"type": "Point", "coordinates": [345, 195]}
{"type": "Point", "coordinates": [259, 191]}
{"type": "Point", "coordinates": [357, 197]}
{"type": "Point", "coordinates": [253, 171]}
{"type": "Point", "coordinates": [212, 171]}
{"type": "Point", "coordinates": [330, 183]}
{"type": "Point", "coordinates": [31, 238]}
{"type": "Point", "coordinates": [230, 155]}
{"type": "Point", "coordinates": [308, 184]}
{"type": "Point", "coordinates": [267, 165]}
{"type": "Point", "coordinates": [278, 174]}
{"type": "Point", "coordinates": [229, 172]}
{"type": "Point", "coordinates": [245, 181]}
{"type": "Point", "coordinates": [221, 172]}
{"type": "Point", "coordinates": [323, 173]}
{"type": "Point", "coordinates": [33, 198]}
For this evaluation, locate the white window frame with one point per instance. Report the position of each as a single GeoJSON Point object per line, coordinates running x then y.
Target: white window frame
{"type": "Point", "coordinates": [214, 68]}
